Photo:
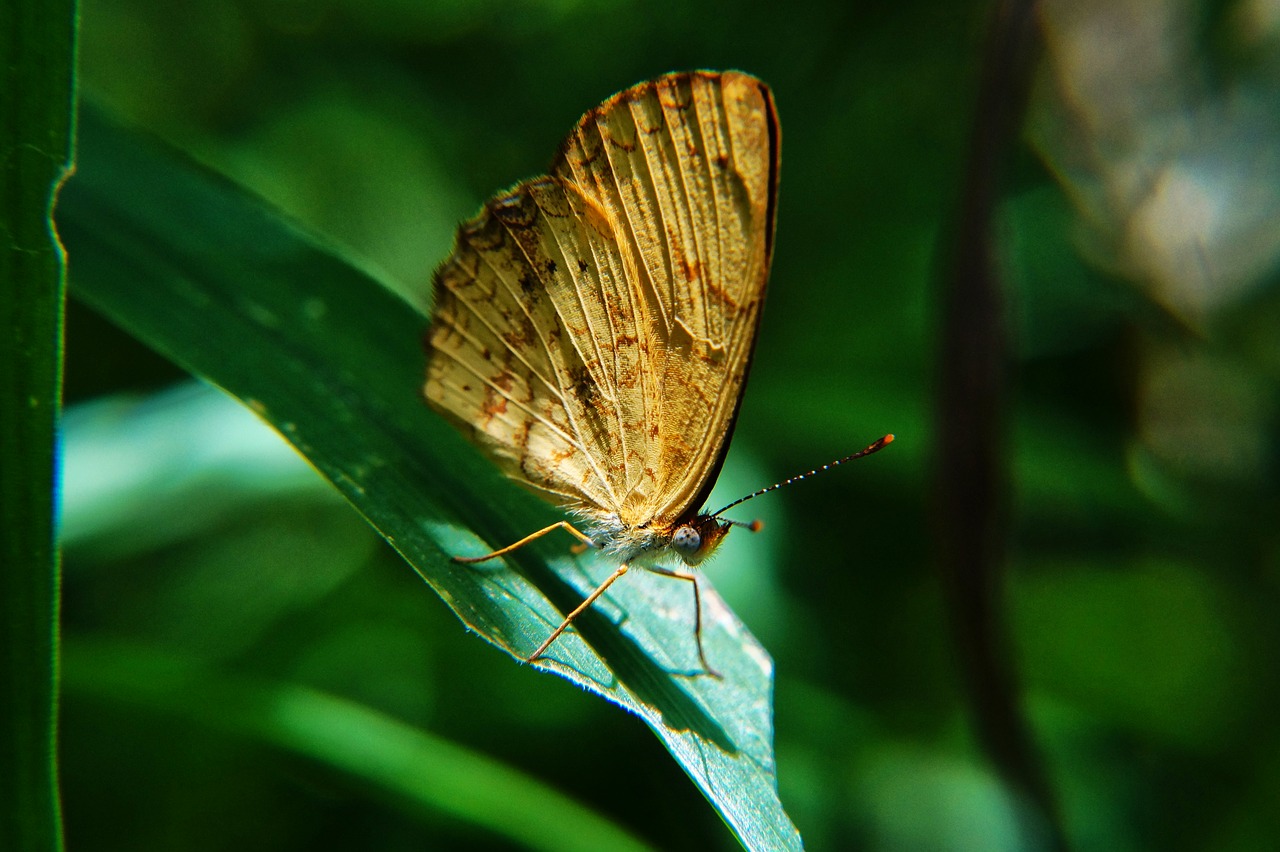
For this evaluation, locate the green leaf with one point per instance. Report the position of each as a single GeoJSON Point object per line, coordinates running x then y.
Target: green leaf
{"type": "Point", "coordinates": [38, 62]}
{"type": "Point", "coordinates": [333, 360]}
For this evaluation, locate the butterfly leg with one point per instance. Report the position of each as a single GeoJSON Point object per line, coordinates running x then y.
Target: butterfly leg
{"type": "Point", "coordinates": [697, 614]}
{"type": "Point", "coordinates": [565, 525]}
{"type": "Point", "coordinates": [568, 619]}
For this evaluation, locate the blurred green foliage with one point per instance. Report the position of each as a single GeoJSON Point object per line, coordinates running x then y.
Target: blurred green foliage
{"type": "Point", "coordinates": [1144, 557]}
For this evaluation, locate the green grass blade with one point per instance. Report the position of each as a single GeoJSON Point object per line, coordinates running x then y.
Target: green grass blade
{"type": "Point", "coordinates": [38, 63]}
{"type": "Point", "coordinates": [333, 360]}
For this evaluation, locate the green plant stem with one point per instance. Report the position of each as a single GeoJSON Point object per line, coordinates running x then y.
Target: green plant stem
{"type": "Point", "coordinates": [38, 64]}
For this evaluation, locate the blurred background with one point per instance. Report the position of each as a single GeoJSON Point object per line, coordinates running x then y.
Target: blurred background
{"type": "Point", "coordinates": [1137, 233]}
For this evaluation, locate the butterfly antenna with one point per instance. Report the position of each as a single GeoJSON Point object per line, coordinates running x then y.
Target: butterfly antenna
{"type": "Point", "coordinates": [755, 525]}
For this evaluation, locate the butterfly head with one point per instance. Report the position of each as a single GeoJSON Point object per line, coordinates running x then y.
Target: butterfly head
{"type": "Point", "coordinates": [696, 539]}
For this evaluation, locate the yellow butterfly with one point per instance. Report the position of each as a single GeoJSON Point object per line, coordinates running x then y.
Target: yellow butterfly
{"type": "Point", "coordinates": [593, 328]}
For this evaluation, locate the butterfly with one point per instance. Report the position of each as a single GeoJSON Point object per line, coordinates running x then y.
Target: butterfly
{"type": "Point", "coordinates": [593, 328]}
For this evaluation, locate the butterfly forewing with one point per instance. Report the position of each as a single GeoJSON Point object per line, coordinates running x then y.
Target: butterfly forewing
{"type": "Point", "coordinates": [593, 329]}
{"type": "Point", "coordinates": [686, 166]}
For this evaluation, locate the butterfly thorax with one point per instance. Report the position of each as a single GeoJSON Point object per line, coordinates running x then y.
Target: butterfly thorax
{"type": "Point", "coordinates": [691, 540]}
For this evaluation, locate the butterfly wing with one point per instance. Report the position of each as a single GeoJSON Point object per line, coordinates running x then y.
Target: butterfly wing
{"type": "Point", "coordinates": [592, 329]}
{"type": "Point", "coordinates": [524, 309]}
{"type": "Point", "coordinates": [686, 168]}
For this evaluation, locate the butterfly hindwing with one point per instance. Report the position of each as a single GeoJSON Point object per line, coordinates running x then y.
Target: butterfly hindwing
{"type": "Point", "coordinates": [513, 360]}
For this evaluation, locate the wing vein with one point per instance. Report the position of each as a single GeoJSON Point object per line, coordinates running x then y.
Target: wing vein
{"type": "Point", "coordinates": [505, 395]}
{"type": "Point", "coordinates": [612, 386]}
{"type": "Point", "coordinates": [480, 316]}
{"type": "Point", "coordinates": [651, 403]}
{"type": "Point", "coordinates": [551, 359]}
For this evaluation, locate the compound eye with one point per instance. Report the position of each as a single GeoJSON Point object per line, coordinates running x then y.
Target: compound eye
{"type": "Point", "coordinates": [686, 540]}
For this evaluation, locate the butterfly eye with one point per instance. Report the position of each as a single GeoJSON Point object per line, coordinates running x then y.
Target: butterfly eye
{"type": "Point", "coordinates": [686, 540]}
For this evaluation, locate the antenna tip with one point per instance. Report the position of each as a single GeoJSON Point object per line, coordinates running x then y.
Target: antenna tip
{"type": "Point", "coordinates": [756, 525]}
{"type": "Point", "coordinates": [887, 439]}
